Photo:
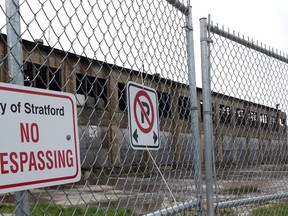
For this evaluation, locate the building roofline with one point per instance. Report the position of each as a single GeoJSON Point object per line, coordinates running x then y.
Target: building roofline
{"type": "Point", "coordinates": [154, 77]}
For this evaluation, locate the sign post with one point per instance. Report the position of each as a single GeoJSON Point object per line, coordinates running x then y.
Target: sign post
{"type": "Point", "coordinates": [143, 117]}
{"type": "Point", "coordinates": [15, 59]}
{"type": "Point", "coordinates": [39, 144]}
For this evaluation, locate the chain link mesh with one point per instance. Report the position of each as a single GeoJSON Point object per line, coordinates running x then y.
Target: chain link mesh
{"type": "Point", "coordinates": [249, 87]}
{"type": "Point", "coordinates": [92, 49]}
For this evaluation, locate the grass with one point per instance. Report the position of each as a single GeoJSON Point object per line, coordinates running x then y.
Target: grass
{"type": "Point", "coordinates": [271, 210]}
{"type": "Point", "coordinates": [240, 190]}
{"type": "Point", "coordinates": [226, 212]}
{"type": "Point", "coordinates": [52, 210]}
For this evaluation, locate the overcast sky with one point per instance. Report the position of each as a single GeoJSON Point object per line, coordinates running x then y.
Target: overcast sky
{"type": "Point", "coordinates": [262, 20]}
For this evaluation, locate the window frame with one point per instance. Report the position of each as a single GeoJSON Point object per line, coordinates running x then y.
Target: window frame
{"type": "Point", "coordinates": [225, 114]}
{"type": "Point", "coordinates": [240, 117]}
{"type": "Point", "coordinates": [89, 91]}
{"type": "Point", "coordinates": [165, 105]}
{"type": "Point", "coordinates": [122, 96]}
{"type": "Point", "coordinates": [42, 76]}
{"type": "Point", "coordinates": [253, 119]}
{"type": "Point", "coordinates": [264, 120]}
{"type": "Point", "coordinates": [184, 107]}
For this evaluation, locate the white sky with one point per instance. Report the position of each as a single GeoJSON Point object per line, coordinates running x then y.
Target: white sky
{"type": "Point", "coordinates": [262, 20]}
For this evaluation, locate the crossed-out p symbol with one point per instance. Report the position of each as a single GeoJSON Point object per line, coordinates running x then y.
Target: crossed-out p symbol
{"type": "Point", "coordinates": [143, 120]}
{"type": "Point", "coordinates": [146, 108]}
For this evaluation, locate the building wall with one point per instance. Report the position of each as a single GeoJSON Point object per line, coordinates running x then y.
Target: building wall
{"type": "Point", "coordinates": [103, 120]}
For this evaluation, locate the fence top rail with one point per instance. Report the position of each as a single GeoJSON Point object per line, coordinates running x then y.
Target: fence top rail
{"type": "Point", "coordinates": [249, 42]}
{"type": "Point", "coordinates": [181, 7]}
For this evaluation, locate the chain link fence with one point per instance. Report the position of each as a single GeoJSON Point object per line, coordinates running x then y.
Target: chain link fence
{"type": "Point", "coordinates": [92, 49]}
{"type": "Point", "coordinates": [245, 108]}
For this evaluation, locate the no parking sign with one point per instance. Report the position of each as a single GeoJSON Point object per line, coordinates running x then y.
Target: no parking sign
{"type": "Point", "coordinates": [143, 117]}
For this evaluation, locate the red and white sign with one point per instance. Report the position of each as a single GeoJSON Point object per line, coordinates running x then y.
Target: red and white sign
{"type": "Point", "coordinates": [143, 116]}
{"type": "Point", "coordinates": [39, 144]}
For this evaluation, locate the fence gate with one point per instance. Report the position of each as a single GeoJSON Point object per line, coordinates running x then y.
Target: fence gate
{"type": "Point", "coordinates": [245, 122]}
{"type": "Point", "coordinates": [92, 49]}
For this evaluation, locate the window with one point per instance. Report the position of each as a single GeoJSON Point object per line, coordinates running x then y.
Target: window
{"type": "Point", "coordinates": [274, 123]}
{"type": "Point", "coordinates": [252, 119]}
{"type": "Point", "coordinates": [264, 120]}
{"type": "Point", "coordinates": [41, 76]}
{"type": "Point", "coordinates": [91, 91]}
{"type": "Point", "coordinates": [184, 107]}
{"type": "Point", "coordinates": [122, 100]}
{"type": "Point", "coordinates": [282, 122]}
{"type": "Point", "coordinates": [164, 105]}
{"type": "Point", "coordinates": [240, 117]}
{"type": "Point", "coordinates": [225, 114]}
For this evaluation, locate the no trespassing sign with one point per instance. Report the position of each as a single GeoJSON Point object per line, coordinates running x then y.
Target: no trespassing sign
{"type": "Point", "coordinates": [39, 144]}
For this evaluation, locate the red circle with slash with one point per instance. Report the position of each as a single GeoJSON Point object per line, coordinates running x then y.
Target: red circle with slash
{"type": "Point", "coordinates": [150, 120]}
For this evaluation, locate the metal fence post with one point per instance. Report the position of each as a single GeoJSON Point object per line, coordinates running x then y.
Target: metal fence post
{"type": "Point", "coordinates": [194, 106]}
{"type": "Point", "coordinates": [187, 11]}
{"type": "Point", "coordinates": [207, 115]}
{"type": "Point", "coordinates": [16, 77]}
{"type": "Point", "coordinates": [14, 42]}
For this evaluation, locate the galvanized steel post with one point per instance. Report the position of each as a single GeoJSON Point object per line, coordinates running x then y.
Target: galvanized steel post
{"type": "Point", "coordinates": [194, 114]}
{"type": "Point", "coordinates": [194, 106]}
{"type": "Point", "coordinates": [16, 77]}
{"type": "Point", "coordinates": [14, 42]}
{"type": "Point", "coordinates": [207, 115]}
